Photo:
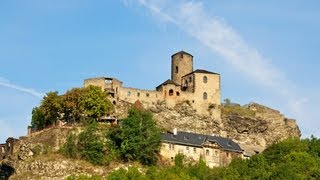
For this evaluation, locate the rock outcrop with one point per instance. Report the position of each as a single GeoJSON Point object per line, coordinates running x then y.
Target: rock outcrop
{"type": "Point", "coordinates": [263, 128]}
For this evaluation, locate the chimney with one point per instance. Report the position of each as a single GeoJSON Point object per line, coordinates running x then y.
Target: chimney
{"type": "Point", "coordinates": [175, 132]}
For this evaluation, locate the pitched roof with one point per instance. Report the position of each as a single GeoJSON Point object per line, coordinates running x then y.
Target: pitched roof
{"type": "Point", "coordinates": [201, 71]}
{"type": "Point", "coordinates": [181, 52]}
{"type": "Point", "coordinates": [168, 82]}
{"type": "Point", "coordinates": [185, 138]}
{"type": "Point", "coordinates": [225, 143]}
{"type": "Point", "coordinates": [197, 140]}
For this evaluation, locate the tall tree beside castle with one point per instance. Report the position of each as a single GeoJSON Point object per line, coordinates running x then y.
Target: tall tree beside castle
{"type": "Point", "coordinates": [89, 102]}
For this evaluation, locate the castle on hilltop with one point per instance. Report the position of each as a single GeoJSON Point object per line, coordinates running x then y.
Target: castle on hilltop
{"type": "Point", "coordinates": [200, 88]}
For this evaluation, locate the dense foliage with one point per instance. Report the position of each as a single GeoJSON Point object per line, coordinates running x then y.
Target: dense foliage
{"type": "Point", "coordinates": [89, 145]}
{"type": "Point", "coordinates": [138, 137]}
{"type": "Point", "coordinates": [289, 159]}
{"type": "Point", "coordinates": [77, 103]}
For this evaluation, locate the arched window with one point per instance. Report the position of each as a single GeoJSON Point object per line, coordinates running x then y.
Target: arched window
{"type": "Point", "coordinates": [177, 69]}
{"type": "Point", "coordinates": [205, 95]}
{"type": "Point", "coordinates": [171, 92]}
{"type": "Point", "coordinates": [205, 79]}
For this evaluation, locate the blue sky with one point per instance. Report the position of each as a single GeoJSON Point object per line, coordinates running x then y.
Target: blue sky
{"type": "Point", "coordinates": [266, 52]}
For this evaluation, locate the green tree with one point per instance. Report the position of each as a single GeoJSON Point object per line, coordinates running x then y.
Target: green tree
{"type": "Point", "coordinates": [38, 119]}
{"type": "Point", "coordinates": [51, 106]}
{"type": "Point", "coordinates": [91, 146]}
{"type": "Point", "coordinates": [227, 102]}
{"type": "Point", "coordinates": [71, 105]}
{"type": "Point", "coordinates": [138, 137]}
{"type": "Point", "coordinates": [94, 102]}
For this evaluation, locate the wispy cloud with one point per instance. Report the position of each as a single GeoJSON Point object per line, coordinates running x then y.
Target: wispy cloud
{"type": "Point", "coordinates": [192, 18]}
{"type": "Point", "coordinates": [6, 83]}
{"type": "Point", "coordinates": [221, 38]}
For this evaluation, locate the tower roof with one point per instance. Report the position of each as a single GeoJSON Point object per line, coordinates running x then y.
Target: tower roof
{"type": "Point", "coordinates": [181, 52]}
{"type": "Point", "coordinates": [201, 71]}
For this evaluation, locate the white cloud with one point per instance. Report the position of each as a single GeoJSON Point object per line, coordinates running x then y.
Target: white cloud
{"type": "Point", "coordinates": [192, 18]}
{"type": "Point", "coordinates": [6, 83]}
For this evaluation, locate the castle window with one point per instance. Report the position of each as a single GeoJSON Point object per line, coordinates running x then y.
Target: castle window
{"type": "Point", "coordinates": [116, 90]}
{"type": "Point", "coordinates": [194, 150]}
{"type": "Point", "coordinates": [171, 92]}
{"type": "Point", "coordinates": [128, 93]}
{"type": "Point", "coordinates": [178, 94]}
{"type": "Point", "coordinates": [177, 69]}
{"type": "Point", "coordinates": [207, 152]}
{"type": "Point", "coordinates": [205, 95]}
{"type": "Point", "coordinates": [205, 79]}
{"type": "Point", "coordinates": [147, 95]}
{"type": "Point", "coordinates": [190, 79]}
{"type": "Point", "coordinates": [138, 94]}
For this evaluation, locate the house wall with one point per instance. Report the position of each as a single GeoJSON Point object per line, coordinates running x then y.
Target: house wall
{"type": "Point", "coordinates": [213, 155]}
{"type": "Point", "coordinates": [169, 151]}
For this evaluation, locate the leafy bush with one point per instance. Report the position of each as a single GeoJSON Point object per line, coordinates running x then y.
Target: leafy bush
{"type": "Point", "coordinates": [91, 146]}
{"type": "Point", "coordinates": [138, 137]}
{"type": "Point", "coordinates": [69, 149]}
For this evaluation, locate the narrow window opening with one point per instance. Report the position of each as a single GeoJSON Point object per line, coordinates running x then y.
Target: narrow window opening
{"type": "Point", "coordinates": [205, 95]}
{"type": "Point", "coordinates": [171, 92]}
{"type": "Point", "coordinates": [138, 94]}
{"type": "Point", "coordinates": [177, 69]}
{"type": "Point", "coordinates": [178, 94]}
{"type": "Point", "coordinates": [205, 79]}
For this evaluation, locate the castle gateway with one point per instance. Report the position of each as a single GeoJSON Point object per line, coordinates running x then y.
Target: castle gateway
{"type": "Point", "coordinates": [201, 88]}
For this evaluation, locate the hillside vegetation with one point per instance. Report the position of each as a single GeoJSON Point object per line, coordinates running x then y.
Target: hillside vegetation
{"type": "Point", "coordinates": [289, 159]}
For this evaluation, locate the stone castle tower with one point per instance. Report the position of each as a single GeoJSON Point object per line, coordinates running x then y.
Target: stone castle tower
{"type": "Point", "coordinates": [200, 88]}
{"type": "Point", "coordinates": [181, 64]}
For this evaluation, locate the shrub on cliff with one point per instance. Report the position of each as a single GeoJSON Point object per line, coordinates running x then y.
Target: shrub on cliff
{"type": "Point", "coordinates": [137, 138]}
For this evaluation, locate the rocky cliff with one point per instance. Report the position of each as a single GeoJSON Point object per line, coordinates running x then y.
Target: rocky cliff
{"type": "Point", "coordinates": [250, 125]}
